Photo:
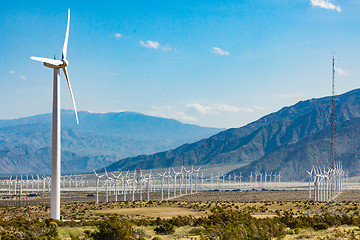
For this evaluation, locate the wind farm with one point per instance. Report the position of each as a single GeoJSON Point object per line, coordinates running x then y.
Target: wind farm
{"type": "Point", "coordinates": [195, 121]}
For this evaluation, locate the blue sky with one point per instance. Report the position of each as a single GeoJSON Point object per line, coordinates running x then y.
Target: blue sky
{"type": "Point", "coordinates": [211, 63]}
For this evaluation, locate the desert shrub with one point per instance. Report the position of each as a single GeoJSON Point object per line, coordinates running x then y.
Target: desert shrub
{"type": "Point", "coordinates": [310, 221]}
{"type": "Point", "coordinates": [159, 221]}
{"type": "Point", "coordinates": [21, 228]}
{"type": "Point", "coordinates": [139, 234]}
{"type": "Point", "coordinates": [233, 224]}
{"type": "Point", "coordinates": [179, 221]}
{"type": "Point", "coordinates": [320, 226]}
{"type": "Point", "coordinates": [165, 229]}
{"type": "Point", "coordinates": [290, 232]}
{"type": "Point", "coordinates": [157, 238]}
{"type": "Point", "coordinates": [78, 237]}
{"type": "Point", "coordinates": [143, 222]}
{"type": "Point", "coordinates": [113, 228]}
{"type": "Point", "coordinates": [345, 234]}
{"type": "Point", "coordinates": [196, 231]}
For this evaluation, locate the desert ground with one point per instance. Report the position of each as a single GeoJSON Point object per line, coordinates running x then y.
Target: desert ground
{"type": "Point", "coordinates": [80, 207]}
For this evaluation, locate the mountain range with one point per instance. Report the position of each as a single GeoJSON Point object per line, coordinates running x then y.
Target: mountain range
{"type": "Point", "coordinates": [99, 140]}
{"type": "Point", "coordinates": [289, 141]}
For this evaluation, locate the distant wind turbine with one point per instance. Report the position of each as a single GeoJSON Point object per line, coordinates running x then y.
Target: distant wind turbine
{"type": "Point", "coordinates": [97, 185]}
{"type": "Point", "coordinates": [56, 145]}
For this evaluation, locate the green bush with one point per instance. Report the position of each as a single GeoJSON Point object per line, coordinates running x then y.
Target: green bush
{"type": "Point", "coordinates": [165, 229]}
{"type": "Point", "coordinates": [113, 228]}
{"type": "Point", "coordinates": [21, 228]}
{"type": "Point", "coordinates": [233, 224]}
{"type": "Point", "coordinates": [196, 231]}
{"type": "Point", "coordinates": [320, 226]}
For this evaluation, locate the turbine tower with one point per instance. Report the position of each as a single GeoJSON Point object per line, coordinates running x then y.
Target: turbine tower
{"type": "Point", "coordinates": [56, 131]}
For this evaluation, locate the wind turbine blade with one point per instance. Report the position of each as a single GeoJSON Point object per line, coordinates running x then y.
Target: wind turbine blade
{"type": "Point", "coordinates": [95, 173]}
{"type": "Point", "coordinates": [47, 60]}
{"type": "Point", "coordinates": [71, 93]}
{"type": "Point", "coordinates": [66, 38]}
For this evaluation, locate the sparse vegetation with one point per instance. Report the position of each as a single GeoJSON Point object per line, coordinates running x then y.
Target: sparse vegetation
{"type": "Point", "coordinates": [185, 220]}
{"type": "Point", "coordinates": [22, 228]}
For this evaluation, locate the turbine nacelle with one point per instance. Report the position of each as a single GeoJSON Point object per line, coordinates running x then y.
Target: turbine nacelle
{"type": "Point", "coordinates": [63, 64]}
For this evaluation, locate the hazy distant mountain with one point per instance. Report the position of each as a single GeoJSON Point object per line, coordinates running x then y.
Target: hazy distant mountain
{"type": "Point", "coordinates": [286, 127]}
{"type": "Point", "coordinates": [98, 140]}
{"type": "Point", "coordinates": [25, 159]}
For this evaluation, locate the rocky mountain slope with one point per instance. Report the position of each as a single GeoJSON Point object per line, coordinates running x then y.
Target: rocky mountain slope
{"type": "Point", "coordinates": [257, 140]}
{"type": "Point", "coordinates": [293, 160]}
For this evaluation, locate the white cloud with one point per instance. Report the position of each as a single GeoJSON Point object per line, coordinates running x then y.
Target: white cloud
{"type": "Point", "coordinates": [118, 35]}
{"type": "Point", "coordinates": [218, 108]}
{"type": "Point", "coordinates": [229, 108]}
{"type": "Point", "coordinates": [340, 71]}
{"type": "Point", "coordinates": [22, 77]}
{"type": "Point", "coordinates": [325, 4]}
{"type": "Point", "coordinates": [150, 44]}
{"type": "Point", "coordinates": [173, 113]}
{"type": "Point", "coordinates": [220, 51]}
{"type": "Point", "coordinates": [199, 108]}
{"type": "Point", "coordinates": [194, 113]}
{"type": "Point", "coordinates": [155, 45]}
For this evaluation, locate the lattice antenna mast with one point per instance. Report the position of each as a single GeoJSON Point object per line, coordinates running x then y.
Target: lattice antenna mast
{"type": "Point", "coordinates": [333, 119]}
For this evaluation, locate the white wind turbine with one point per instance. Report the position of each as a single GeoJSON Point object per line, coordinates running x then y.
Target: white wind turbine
{"type": "Point", "coordinates": [107, 185]}
{"type": "Point", "coordinates": [240, 177]}
{"type": "Point", "coordinates": [162, 184]}
{"type": "Point", "coordinates": [56, 145]}
{"type": "Point", "coordinates": [148, 187]}
{"type": "Point", "coordinates": [97, 185]}
{"type": "Point", "coordinates": [196, 179]}
{"type": "Point", "coordinates": [116, 181]}
{"type": "Point", "coordinates": [310, 175]}
{"type": "Point", "coordinates": [175, 176]}
{"type": "Point", "coordinates": [125, 182]}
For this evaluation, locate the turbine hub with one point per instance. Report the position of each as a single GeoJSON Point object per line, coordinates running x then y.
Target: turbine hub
{"type": "Point", "coordinates": [65, 63]}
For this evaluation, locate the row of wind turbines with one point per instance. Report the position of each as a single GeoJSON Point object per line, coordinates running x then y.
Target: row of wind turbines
{"type": "Point", "coordinates": [326, 183]}
{"type": "Point", "coordinates": [36, 184]}
{"type": "Point", "coordinates": [123, 186]}
{"type": "Point", "coordinates": [182, 182]}
{"type": "Point", "coordinates": [265, 177]}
